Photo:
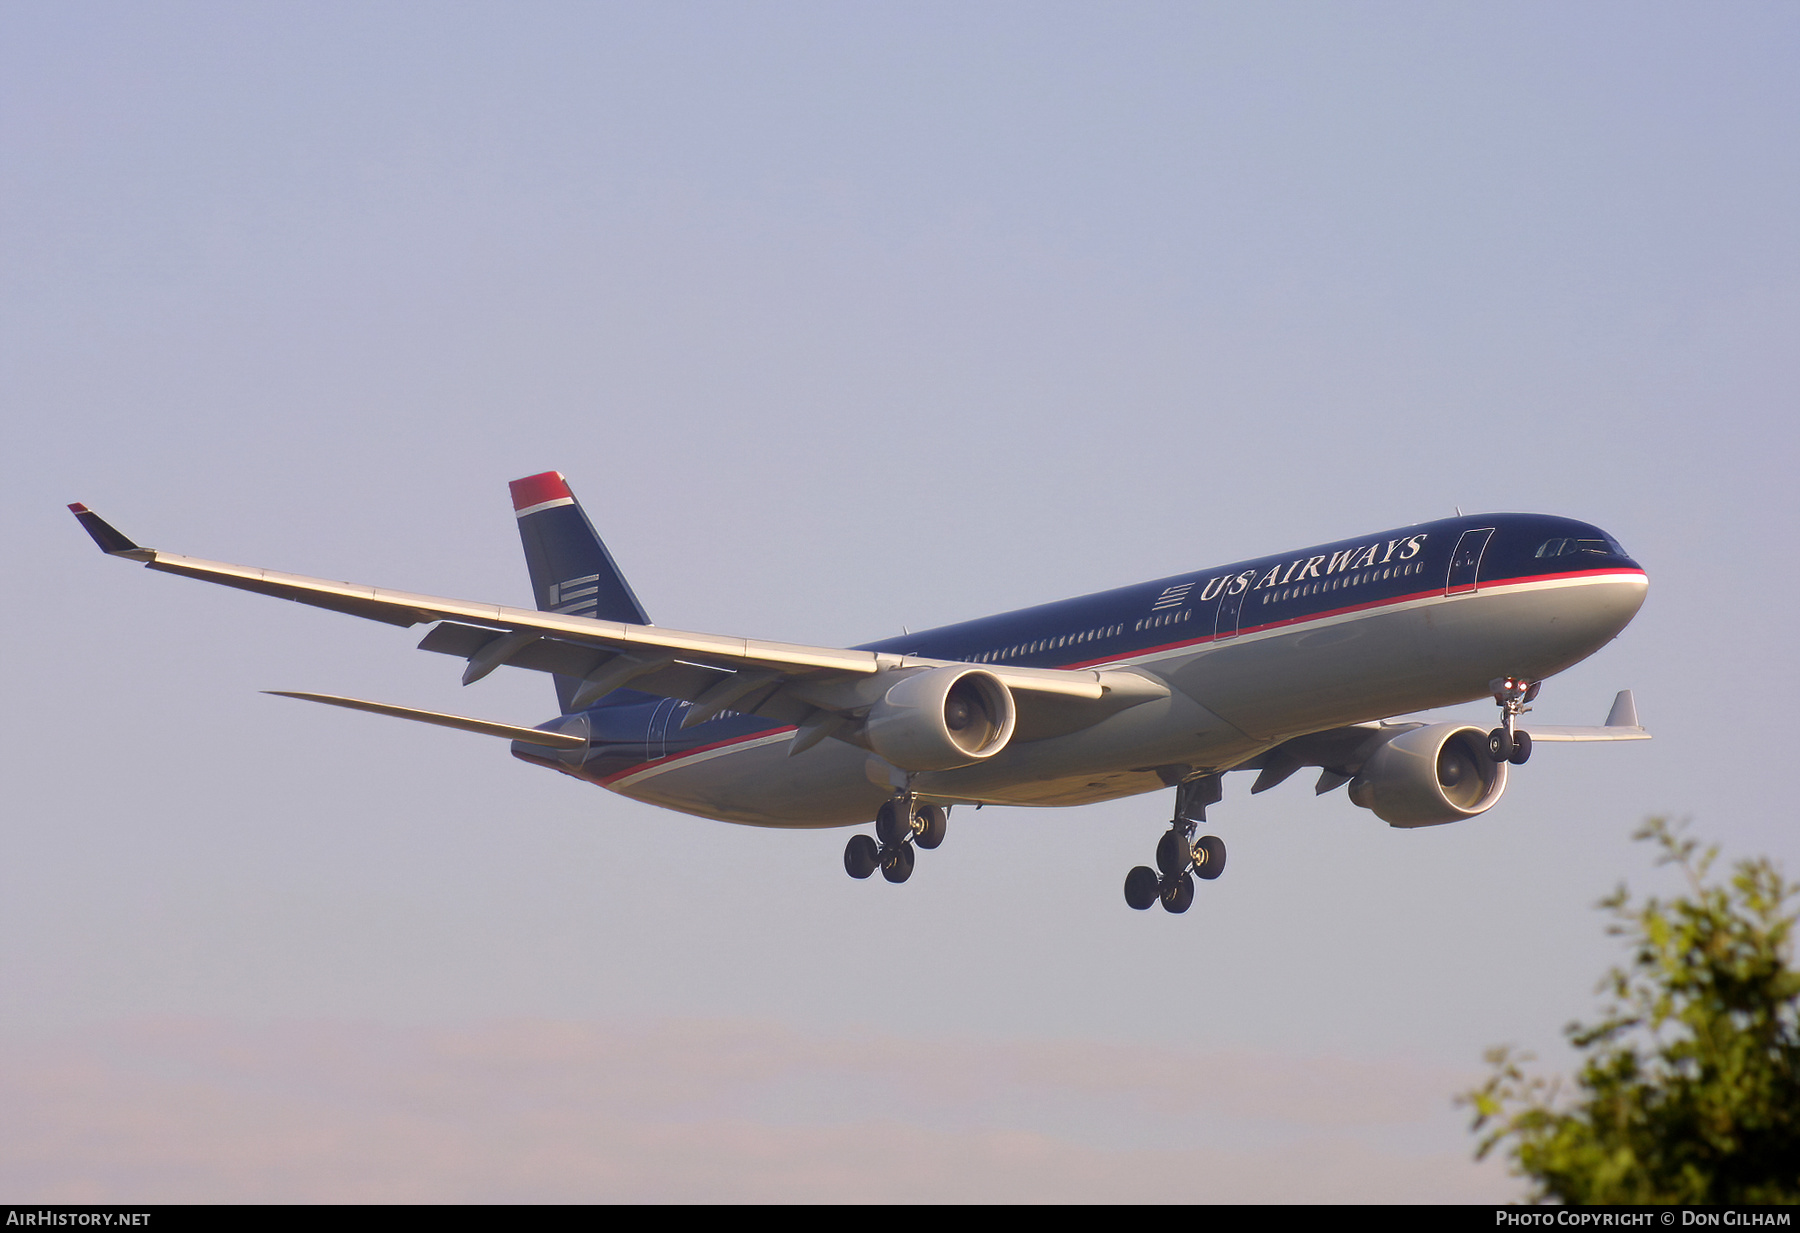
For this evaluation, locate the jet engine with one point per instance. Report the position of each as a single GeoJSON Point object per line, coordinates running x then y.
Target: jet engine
{"type": "Point", "coordinates": [942, 718]}
{"type": "Point", "coordinates": [1429, 775]}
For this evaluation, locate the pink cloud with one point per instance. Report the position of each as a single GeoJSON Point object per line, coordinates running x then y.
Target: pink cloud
{"type": "Point", "coordinates": [710, 1110]}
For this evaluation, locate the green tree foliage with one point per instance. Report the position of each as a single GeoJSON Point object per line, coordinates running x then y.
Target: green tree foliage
{"type": "Point", "coordinates": [1690, 1087]}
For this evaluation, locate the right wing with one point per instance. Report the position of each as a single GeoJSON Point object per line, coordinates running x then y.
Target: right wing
{"type": "Point", "coordinates": [808, 686]}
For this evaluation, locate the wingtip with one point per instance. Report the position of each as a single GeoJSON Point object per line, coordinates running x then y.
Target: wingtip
{"type": "Point", "coordinates": [110, 539]}
{"type": "Point", "coordinates": [1624, 711]}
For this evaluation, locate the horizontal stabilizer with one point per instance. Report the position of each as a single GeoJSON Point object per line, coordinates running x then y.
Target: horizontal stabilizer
{"type": "Point", "coordinates": [531, 736]}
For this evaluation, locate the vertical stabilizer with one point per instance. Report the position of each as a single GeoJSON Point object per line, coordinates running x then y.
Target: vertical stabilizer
{"type": "Point", "coordinates": [571, 570]}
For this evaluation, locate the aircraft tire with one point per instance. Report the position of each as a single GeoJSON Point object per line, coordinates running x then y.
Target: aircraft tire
{"type": "Point", "coordinates": [897, 862]}
{"type": "Point", "coordinates": [1500, 745]}
{"type": "Point", "coordinates": [890, 824]}
{"type": "Point", "coordinates": [861, 857]}
{"type": "Point", "coordinates": [1521, 752]}
{"type": "Point", "coordinates": [1178, 893]}
{"type": "Point", "coordinates": [935, 821]}
{"type": "Point", "coordinates": [1172, 853]}
{"type": "Point", "coordinates": [1212, 849]}
{"type": "Point", "coordinates": [1140, 888]}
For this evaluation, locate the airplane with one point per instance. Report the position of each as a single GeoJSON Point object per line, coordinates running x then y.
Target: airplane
{"type": "Point", "coordinates": [1267, 665]}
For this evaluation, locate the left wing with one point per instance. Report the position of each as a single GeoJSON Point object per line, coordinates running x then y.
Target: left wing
{"type": "Point", "coordinates": [1339, 753]}
{"type": "Point", "coordinates": [803, 685]}
{"type": "Point", "coordinates": [1621, 725]}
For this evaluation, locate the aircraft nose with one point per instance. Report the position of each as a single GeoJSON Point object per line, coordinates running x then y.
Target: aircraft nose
{"type": "Point", "coordinates": [1606, 605]}
{"type": "Point", "coordinates": [1618, 550]}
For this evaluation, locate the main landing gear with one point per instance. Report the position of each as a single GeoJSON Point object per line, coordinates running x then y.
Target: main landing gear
{"type": "Point", "coordinates": [902, 825]}
{"type": "Point", "coordinates": [1508, 743]}
{"type": "Point", "coordinates": [1179, 856]}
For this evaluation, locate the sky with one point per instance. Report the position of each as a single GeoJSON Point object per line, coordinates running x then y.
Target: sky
{"type": "Point", "coordinates": [840, 319]}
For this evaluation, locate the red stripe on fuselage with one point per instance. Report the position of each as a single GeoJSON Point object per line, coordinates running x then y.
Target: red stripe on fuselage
{"type": "Point", "coordinates": [629, 771]}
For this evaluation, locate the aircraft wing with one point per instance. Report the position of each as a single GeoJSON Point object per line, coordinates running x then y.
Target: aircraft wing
{"type": "Point", "coordinates": [1340, 752]}
{"type": "Point", "coordinates": [1621, 725]}
{"type": "Point", "coordinates": [783, 681]}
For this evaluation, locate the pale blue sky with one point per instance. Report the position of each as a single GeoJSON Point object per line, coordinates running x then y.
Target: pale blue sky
{"type": "Point", "coordinates": [841, 318]}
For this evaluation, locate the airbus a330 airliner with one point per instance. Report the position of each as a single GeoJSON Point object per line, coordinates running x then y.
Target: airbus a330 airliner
{"type": "Point", "coordinates": [1269, 665]}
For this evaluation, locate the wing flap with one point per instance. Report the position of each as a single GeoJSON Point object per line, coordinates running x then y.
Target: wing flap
{"type": "Point", "coordinates": [1542, 733]}
{"type": "Point", "coordinates": [366, 602]}
{"type": "Point", "coordinates": [1337, 752]}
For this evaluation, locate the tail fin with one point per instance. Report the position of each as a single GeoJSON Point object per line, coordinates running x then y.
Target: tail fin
{"type": "Point", "coordinates": [571, 570]}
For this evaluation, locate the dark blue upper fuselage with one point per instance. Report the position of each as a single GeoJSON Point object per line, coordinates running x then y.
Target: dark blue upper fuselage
{"type": "Point", "coordinates": [1366, 571]}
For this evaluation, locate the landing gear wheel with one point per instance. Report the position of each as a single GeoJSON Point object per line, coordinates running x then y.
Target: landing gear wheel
{"type": "Point", "coordinates": [1172, 853]}
{"type": "Point", "coordinates": [1506, 743]}
{"type": "Point", "coordinates": [1178, 893]}
{"type": "Point", "coordinates": [1209, 857]}
{"type": "Point", "coordinates": [931, 829]}
{"type": "Point", "coordinates": [891, 824]}
{"type": "Point", "coordinates": [897, 862]}
{"type": "Point", "coordinates": [1140, 887]}
{"type": "Point", "coordinates": [861, 856]}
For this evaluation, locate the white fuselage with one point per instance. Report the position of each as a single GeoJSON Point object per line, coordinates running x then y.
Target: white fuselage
{"type": "Point", "coordinates": [1229, 700]}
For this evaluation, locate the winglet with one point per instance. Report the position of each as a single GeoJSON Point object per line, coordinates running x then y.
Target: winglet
{"type": "Point", "coordinates": [111, 540]}
{"type": "Point", "coordinates": [1624, 711]}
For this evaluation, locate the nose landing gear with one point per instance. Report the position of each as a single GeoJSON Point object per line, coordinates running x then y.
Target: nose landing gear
{"type": "Point", "coordinates": [1179, 856]}
{"type": "Point", "coordinates": [902, 825]}
{"type": "Point", "coordinates": [1508, 743]}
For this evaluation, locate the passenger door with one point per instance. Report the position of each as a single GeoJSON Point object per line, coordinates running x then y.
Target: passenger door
{"type": "Point", "coordinates": [1465, 562]}
{"type": "Point", "coordinates": [1231, 606]}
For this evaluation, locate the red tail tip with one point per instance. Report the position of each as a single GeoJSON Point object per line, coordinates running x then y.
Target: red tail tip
{"type": "Point", "coordinates": [537, 489]}
{"type": "Point", "coordinates": [78, 508]}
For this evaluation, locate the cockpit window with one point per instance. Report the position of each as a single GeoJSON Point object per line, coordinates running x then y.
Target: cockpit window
{"type": "Point", "coordinates": [1570, 547]}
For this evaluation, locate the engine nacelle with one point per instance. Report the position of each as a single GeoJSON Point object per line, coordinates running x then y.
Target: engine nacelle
{"type": "Point", "coordinates": [942, 718]}
{"type": "Point", "coordinates": [1430, 775]}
